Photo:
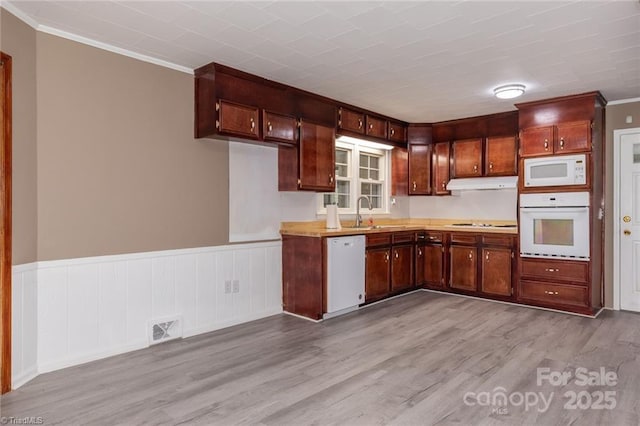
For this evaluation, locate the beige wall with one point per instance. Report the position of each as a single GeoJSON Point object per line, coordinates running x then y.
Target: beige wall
{"type": "Point", "coordinates": [118, 168]}
{"type": "Point", "coordinates": [615, 119]}
{"type": "Point", "coordinates": [19, 41]}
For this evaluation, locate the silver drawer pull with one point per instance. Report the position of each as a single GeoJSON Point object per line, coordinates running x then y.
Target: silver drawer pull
{"type": "Point", "coordinates": [552, 270]}
{"type": "Point", "coordinates": [551, 293]}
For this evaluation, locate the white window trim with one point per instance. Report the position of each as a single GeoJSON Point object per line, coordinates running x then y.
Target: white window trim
{"type": "Point", "coordinates": [354, 169]}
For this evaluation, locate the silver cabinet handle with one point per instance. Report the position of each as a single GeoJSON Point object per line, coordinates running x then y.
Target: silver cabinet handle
{"type": "Point", "coordinates": [414, 186]}
{"type": "Point", "coordinates": [490, 166]}
{"type": "Point", "coordinates": [552, 293]}
{"type": "Point", "coordinates": [253, 124]}
{"type": "Point", "coordinates": [396, 253]}
{"type": "Point", "coordinates": [392, 131]}
{"type": "Point", "coordinates": [552, 270]}
{"type": "Point", "coordinates": [561, 143]}
{"type": "Point", "coordinates": [470, 255]}
{"type": "Point", "coordinates": [475, 167]}
{"type": "Point", "coordinates": [386, 257]}
{"type": "Point", "coordinates": [359, 123]}
{"type": "Point", "coordinates": [419, 252]}
{"type": "Point", "coordinates": [444, 185]}
{"type": "Point", "coordinates": [269, 126]}
{"type": "Point", "coordinates": [330, 179]}
{"type": "Point", "coordinates": [546, 144]}
{"type": "Point", "coordinates": [487, 257]}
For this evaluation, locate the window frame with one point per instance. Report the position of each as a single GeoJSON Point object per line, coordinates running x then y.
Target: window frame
{"type": "Point", "coordinates": [384, 164]}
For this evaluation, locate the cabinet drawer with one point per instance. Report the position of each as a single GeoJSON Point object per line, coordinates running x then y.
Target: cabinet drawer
{"type": "Point", "coordinates": [429, 237]}
{"type": "Point", "coordinates": [553, 293]}
{"type": "Point", "coordinates": [560, 270]}
{"type": "Point", "coordinates": [402, 237]}
{"type": "Point", "coordinates": [497, 240]}
{"type": "Point", "coordinates": [378, 239]}
{"type": "Point", "coordinates": [463, 238]}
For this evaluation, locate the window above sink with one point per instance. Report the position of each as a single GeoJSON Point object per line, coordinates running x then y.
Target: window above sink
{"type": "Point", "coordinates": [362, 168]}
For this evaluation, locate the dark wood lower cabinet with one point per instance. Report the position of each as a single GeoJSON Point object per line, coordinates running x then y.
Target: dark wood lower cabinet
{"type": "Point", "coordinates": [303, 276]}
{"type": "Point", "coordinates": [496, 271]}
{"type": "Point", "coordinates": [430, 266]}
{"type": "Point", "coordinates": [378, 273]}
{"type": "Point", "coordinates": [402, 268]}
{"type": "Point", "coordinates": [464, 268]}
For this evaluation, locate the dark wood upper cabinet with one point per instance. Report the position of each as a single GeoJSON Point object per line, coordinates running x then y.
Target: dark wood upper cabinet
{"type": "Point", "coordinates": [397, 132]}
{"type": "Point", "coordinates": [573, 137]}
{"type": "Point", "coordinates": [419, 169]}
{"type": "Point", "coordinates": [501, 156]}
{"type": "Point", "coordinates": [399, 171]}
{"type": "Point", "coordinates": [279, 128]}
{"type": "Point", "coordinates": [316, 157]}
{"type": "Point", "coordinates": [350, 120]}
{"type": "Point", "coordinates": [238, 120]}
{"type": "Point", "coordinates": [467, 158]}
{"type": "Point", "coordinates": [557, 139]}
{"type": "Point", "coordinates": [441, 165]}
{"type": "Point", "coordinates": [536, 141]}
{"type": "Point", "coordinates": [376, 127]}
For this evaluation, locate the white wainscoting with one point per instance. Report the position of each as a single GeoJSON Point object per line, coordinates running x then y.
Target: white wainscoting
{"type": "Point", "coordinates": [91, 308]}
{"type": "Point", "coordinates": [24, 323]}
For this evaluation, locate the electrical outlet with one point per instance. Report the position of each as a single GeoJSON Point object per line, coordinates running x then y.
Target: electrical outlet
{"type": "Point", "coordinates": [236, 286]}
{"type": "Point", "coordinates": [227, 286]}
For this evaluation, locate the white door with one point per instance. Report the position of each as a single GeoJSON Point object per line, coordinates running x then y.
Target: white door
{"type": "Point", "coordinates": [629, 221]}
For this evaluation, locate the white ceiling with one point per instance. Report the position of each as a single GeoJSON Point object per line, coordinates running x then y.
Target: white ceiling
{"type": "Point", "coordinates": [416, 61]}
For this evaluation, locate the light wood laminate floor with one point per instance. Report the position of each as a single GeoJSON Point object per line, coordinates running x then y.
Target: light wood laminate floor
{"type": "Point", "coordinates": [415, 359]}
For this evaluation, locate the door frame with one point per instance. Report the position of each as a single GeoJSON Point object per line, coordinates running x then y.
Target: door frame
{"type": "Point", "coordinates": [5, 223]}
{"type": "Point", "coordinates": [617, 285]}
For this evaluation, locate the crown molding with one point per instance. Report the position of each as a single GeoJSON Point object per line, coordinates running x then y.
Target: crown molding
{"type": "Point", "coordinates": [623, 101]}
{"type": "Point", "coordinates": [90, 42]}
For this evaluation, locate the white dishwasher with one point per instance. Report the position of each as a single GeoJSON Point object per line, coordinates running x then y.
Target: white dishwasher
{"type": "Point", "coordinates": [345, 274]}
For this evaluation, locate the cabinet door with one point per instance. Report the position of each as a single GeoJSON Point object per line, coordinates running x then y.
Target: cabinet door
{"type": "Point", "coordinates": [573, 137]}
{"type": "Point", "coordinates": [279, 128]}
{"type": "Point", "coordinates": [501, 156]}
{"type": "Point", "coordinates": [419, 169]}
{"type": "Point", "coordinates": [401, 267]}
{"type": "Point", "coordinates": [377, 273]}
{"type": "Point", "coordinates": [536, 141]}
{"type": "Point", "coordinates": [352, 121]}
{"type": "Point", "coordinates": [317, 157]}
{"type": "Point", "coordinates": [467, 158]}
{"type": "Point", "coordinates": [238, 120]}
{"type": "Point", "coordinates": [441, 168]}
{"type": "Point", "coordinates": [429, 266]}
{"type": "Point", "coordinates": [464, 267]}
{"type": "Point", "coordinates": [399, 171]}
{"type": "Point", "coordinates": [496, 271]}
{"type": "Point", "coordinates": [376, 127]}
{"type": "Point", "coordinates": [397, 132]}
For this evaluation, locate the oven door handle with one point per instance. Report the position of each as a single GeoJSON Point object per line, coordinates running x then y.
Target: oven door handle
{"type": "Point", "coordinates": [555, 209]}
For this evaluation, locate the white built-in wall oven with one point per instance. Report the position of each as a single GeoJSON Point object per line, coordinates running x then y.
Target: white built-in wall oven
{"type": "Point", "coordinates": [555, 225]}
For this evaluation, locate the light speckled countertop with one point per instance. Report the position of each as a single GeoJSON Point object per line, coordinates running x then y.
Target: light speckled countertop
{"type": "Point", "coordinates": [318, 228]}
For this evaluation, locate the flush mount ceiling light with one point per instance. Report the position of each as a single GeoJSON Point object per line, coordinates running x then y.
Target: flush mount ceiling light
{"type": "Point", "coordinates": [509, 91]}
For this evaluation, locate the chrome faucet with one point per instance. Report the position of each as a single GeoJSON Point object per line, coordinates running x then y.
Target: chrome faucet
{"type": "Point", "coordinates": [358, 217]}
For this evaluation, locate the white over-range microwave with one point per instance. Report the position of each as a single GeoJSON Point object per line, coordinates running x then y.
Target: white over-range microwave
{"type": "Point", "coordinates": [560, 170]}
